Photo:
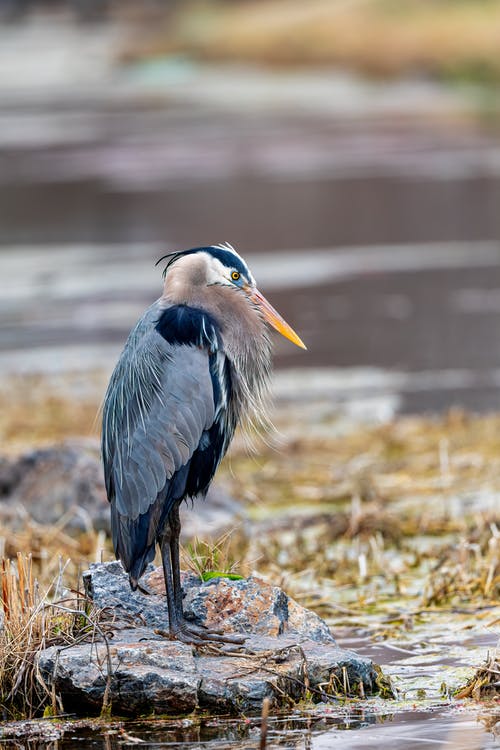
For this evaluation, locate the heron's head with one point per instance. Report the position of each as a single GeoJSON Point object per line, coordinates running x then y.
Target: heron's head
{"type": "Point", "coordinates": [222, 266]}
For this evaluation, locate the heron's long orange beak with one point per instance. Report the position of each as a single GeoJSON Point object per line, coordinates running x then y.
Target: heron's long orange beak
{"type": "Point", "coordinates": [274, 318]}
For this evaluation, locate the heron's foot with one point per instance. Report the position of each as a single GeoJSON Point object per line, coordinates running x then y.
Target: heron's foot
{"type": "Point", "coordinates": [201, 629]}
{"type": "Point", "coordinates": [199, 635]}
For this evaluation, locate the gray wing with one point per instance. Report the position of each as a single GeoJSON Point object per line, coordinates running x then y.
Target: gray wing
{"type": "Point", "coordinates": [159, 403]}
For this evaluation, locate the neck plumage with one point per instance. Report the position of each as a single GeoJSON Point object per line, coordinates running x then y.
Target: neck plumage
{"type": "Point", "coordinates": [244, 333]}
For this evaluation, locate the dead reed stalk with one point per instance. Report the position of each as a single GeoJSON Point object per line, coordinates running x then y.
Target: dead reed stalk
{"type": "Point", "coordinates": [31, 621]}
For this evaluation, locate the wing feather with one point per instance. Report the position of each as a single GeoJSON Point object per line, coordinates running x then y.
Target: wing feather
{"type": "Point", "coordinates": [159, 429]}
{"type": "Point", "coordinates": [160, 406]}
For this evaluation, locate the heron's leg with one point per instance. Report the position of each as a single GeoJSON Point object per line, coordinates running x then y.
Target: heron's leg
{"type": "Point", "coordinates": [175, 532]}
{"type": "Point", "coordinates": [179, 627]}
{"type": "Point", "coordinates": [173, 621]}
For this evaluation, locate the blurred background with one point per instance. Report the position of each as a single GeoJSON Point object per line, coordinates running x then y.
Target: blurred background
{"type": "Point", "coordinates": [348, 148]}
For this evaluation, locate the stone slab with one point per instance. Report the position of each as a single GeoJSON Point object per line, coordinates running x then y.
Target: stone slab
{"type": "Point", "coordinates": [289, 652]}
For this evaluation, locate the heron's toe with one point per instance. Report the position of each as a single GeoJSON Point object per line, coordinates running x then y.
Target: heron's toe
{"type": "Point", "coordinates": [188, 632]}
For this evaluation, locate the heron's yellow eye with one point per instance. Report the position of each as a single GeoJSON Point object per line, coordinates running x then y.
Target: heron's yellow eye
{"type": "Point", "coordinates": [235, 276]}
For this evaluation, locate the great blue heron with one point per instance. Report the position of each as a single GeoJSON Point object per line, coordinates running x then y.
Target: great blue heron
{"type": "Point", "coordinates": [196, 364]}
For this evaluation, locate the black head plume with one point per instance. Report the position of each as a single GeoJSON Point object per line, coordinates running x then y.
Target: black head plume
{"type": "Point", "coordinates": [225, 253]}
{"type": "Point", "coordinates": [175, 255]}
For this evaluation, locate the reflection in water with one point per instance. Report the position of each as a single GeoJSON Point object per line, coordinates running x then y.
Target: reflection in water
{"type": "Point", "coordinates": [353, 728]}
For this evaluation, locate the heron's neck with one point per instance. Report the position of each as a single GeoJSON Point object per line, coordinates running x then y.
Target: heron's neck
{"type": "Point", "coordinates": [244, 333]}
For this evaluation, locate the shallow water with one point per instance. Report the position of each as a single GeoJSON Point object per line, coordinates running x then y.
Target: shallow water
{"type": "Point", "coordinates": [356, 729]}
{"type": "Point", "coordinates": [418, 324]}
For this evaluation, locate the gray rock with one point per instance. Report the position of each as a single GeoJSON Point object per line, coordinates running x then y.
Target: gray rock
{"type": "Point", "coordinates": [247, 606]}
{"type": "Point", "coordinates": [289, 650]}
{"type": "Point", "coordinates": [66, 482]}
{"type": "Point", "coordinates": [148, 674]}
{"type": "Point", "coordinates": [108, 587]}
{"type": "Point", "coordinates": [49, 484]}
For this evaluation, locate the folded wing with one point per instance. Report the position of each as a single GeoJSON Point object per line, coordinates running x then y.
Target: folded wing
{"type": "Point", "coordinates": [163, 436]}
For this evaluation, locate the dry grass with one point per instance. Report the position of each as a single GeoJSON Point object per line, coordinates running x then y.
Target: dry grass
{"type": "Point", "coordinates": [219, 558]}
{"type": "Point", "coordinates": [484, 685]}
{"type": "Point", "coordinates": [406, 510]}
{"type": "Point", "coordinates": [33, 619]}
{"type": "Point", "coordinates": [37, 411]}
{"type": "Point", "coordinates": [378, 526]}
{"type": "Point", "coordinates": [48, 544]}
{"type": "Point", "coordinates": [394, 519]}
{"type": "Point", "coordinates": [376, 37]}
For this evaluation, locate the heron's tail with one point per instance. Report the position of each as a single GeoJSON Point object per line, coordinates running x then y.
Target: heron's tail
{"type": "Point", "coordinates": [133, 544]}
{"type": "Point", "coordinates": [139, 567]}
